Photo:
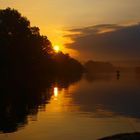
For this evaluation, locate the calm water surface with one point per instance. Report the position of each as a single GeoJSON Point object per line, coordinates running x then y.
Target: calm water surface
{"type": "Point", "coordinates": [94, 107]}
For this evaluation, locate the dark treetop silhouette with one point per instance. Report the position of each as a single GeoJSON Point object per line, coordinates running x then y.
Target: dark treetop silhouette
{"type": "Point", "coordinates": [24, 53]}
{"type": "Point", "coordinates": [28, 66]}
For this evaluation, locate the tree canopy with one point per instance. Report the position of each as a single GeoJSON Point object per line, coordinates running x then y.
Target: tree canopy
{"type": "Point", "coordinates": [23, 51]}
{"type": "Point", "coordinates": [28, 68]}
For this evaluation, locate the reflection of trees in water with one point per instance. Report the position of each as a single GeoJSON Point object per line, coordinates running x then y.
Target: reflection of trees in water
{"type": "Point", "coordinates": [27, 59]}
{"type": "Point", "coordinates": [65, 81]}
{"type": "Point", "coordinates": [18, 102]}
{"type": "Point", "coordinates": [92, 77]}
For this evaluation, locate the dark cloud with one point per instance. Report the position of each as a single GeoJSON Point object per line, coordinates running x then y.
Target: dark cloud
{"type": "Point", "coordinates": [107, 42]}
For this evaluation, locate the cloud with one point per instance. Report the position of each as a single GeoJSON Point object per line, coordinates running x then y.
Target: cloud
{"type": "Point", "coordinates": [107, 42]}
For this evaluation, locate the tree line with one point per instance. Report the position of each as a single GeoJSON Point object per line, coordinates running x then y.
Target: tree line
{"type": "Point", "coordinates": [24, 52]}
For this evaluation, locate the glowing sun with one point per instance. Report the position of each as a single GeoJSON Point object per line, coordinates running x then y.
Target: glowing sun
{"type": "Point", "coordinates": [56, 48]}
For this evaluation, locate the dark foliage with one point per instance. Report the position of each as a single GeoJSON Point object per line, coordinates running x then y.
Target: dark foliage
{"type": "Point", "coordinates": [28, 69]}
{"type": "Point", "coordinates": [64, 64]}
{"type": "Point", "coordinates": [25, 53]}
{"type": "Point", "coordinates": [17, 103]}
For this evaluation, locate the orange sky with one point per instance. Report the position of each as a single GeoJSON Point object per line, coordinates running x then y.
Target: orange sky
{"type": "Point", "coordinates": [55, 17]}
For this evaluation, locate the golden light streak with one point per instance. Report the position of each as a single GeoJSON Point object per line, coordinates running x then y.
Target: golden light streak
{"type": "Point", "coordinates": [60, 102]}
{"type": "Point", "coordinates": [55, 91]}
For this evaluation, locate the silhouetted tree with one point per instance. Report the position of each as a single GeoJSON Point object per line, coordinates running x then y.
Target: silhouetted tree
{"type": "Point", "coordinates": [28, 66]}
{"type": "Point", "coordinates": [66, 65]}
{"type": "Point", "coordinates": [25, 53]}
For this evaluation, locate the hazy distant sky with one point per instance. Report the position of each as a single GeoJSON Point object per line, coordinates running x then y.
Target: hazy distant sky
{"type": "Point", "coordinates": [107, 42]}
{"type": "Point", "coordinates": [55, 16]}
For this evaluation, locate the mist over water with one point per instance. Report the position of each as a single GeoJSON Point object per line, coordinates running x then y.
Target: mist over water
{"type": "Point", "coordinates": [96, 106]}
{"type": "Point", "coordinates": [75, 83]}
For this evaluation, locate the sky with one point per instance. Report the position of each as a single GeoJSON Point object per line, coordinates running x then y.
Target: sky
{"type": "Point", "coordinates": [107, 42]}
{"type": "Point", "coordinates": [63, 21]}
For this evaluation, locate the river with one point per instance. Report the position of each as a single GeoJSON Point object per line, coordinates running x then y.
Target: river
{"type": "Point", "coordinates": [94, 107]}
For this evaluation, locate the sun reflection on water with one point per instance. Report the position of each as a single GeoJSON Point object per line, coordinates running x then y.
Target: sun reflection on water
{"type": "Point", "coordinates": [61, 100]}
{"type": "Point", "coordinates": [55, 92]}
